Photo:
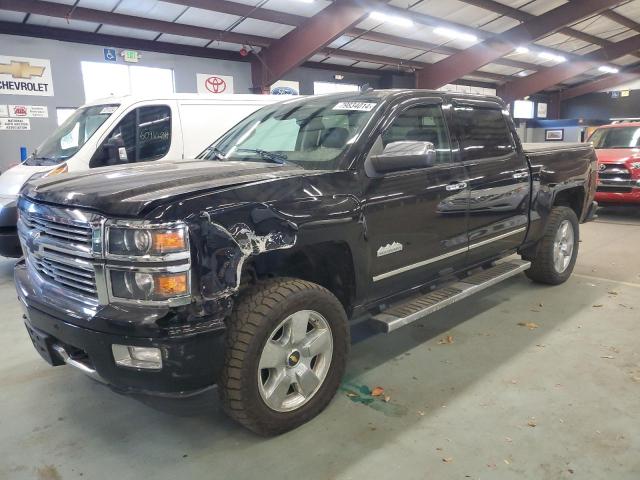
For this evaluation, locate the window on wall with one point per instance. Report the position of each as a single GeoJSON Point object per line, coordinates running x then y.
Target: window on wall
{"type": "Point", "coordinates": [321, 88]}
{"type": "Point", "coordinates": [105, 80]}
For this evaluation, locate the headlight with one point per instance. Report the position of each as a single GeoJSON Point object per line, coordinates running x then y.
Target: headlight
{"type": "Point", "coordinates": [140, 242]}
{"type": "Point", "coordinates": [149, 286]}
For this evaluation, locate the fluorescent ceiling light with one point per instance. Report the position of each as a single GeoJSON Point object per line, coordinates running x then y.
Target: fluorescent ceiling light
{"type": "Point", "coordinates": [552, 56]}
{"type": "Point", "coordinates": [522, 50]}
{"type": "Point", "coordinates": [394, 19]}
{"type": "Point", "coordinates": [448, 32]}
{"type": "Point", "coordinates": [608, 69]}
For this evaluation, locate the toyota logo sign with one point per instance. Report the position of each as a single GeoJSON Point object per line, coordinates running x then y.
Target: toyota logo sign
{"type": "Point", "coordinates": [602, 167]}
{"type": "Point", "coordinates": [215, 85]}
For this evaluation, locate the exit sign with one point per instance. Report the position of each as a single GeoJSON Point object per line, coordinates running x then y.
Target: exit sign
{"type": "Point", "coordinates": [130, 56]}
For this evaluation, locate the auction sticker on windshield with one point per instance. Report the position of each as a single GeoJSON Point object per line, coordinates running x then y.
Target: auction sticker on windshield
{"type": "Point", "coordinates": [355, 106]}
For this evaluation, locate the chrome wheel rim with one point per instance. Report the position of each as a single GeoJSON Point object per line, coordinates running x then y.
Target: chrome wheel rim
{"type": "Point", "coordinates": [295, 360]}
{"type": "Point", "coordinates": [563, 246]}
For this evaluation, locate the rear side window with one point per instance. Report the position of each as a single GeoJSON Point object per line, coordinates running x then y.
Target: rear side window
{"type": "Point", "coordinates": [144, 134]}
{"type": "Point", "coordinates": [483, 133]}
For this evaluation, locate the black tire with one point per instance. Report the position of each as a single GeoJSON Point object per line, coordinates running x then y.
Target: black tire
{"type": "Point", "coordinates": [543, 269]}
{"type": "Point", "coordinates": [257, 313]}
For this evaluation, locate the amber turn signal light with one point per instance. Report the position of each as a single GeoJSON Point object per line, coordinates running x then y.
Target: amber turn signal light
{"type": "Point", "coordinates": [171, 285]}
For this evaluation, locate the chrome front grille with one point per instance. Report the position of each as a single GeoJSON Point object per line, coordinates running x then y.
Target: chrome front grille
{"type": "Point", "coordinates": [612, 171]}
{"type": "Point", "coordinates": [65, 232]}
{"type": "Point", "coordinates": [58, 245]}
{"type": "Point", "coordinates": [76, 275]}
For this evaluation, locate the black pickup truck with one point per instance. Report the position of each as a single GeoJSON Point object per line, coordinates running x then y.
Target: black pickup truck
{"type": "Point", "coordinates": [242, 268]}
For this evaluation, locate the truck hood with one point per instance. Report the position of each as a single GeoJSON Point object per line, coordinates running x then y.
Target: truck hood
{"type": "Point", "coordinates": [617, 155]}
{"type": "Point", "coordinates": [130, 190]}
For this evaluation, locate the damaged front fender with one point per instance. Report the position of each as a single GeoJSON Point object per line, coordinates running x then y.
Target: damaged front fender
{"type": "Point", "coordinates": [224, 250]}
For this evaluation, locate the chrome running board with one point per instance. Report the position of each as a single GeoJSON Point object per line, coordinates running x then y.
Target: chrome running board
{"type": "Point", "coordinates": [418, 307]}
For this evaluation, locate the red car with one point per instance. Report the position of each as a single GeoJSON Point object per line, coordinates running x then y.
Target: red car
{"type": "Point", "coordinates": [618, 150]}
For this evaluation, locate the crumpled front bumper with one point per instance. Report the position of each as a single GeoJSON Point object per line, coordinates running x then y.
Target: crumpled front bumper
{"type": "Point", "coordinates": [191, 362]}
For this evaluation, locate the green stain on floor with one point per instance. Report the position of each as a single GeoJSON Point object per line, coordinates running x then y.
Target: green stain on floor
{"type": "Point", "coordinates": [362, 394]}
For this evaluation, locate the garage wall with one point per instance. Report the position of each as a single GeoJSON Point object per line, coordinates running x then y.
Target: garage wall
{"type": "Point", "coordinates": [68, 88]}
{"type": "Point", "coordinates": [602, 105]}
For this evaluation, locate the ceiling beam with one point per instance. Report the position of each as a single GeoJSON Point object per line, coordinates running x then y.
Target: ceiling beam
{"type": "Point", "coordinates": [261, 13]}
{"type": "Point", "coordinates": [538, 81]}
{"type": "Point", "coordinates": [406, 64]}
{"type": "Point", "coordinates": [59, 10]}
{"type": "Point", "coordinates": [462, 63]}
{"type": "Point", "coordinates": [608, 82]}
{"type": "Point", "coordinates": [622, 20]}
{"type": "Point", "coordinates": [522, 16]}
{"type": "Point", "coordinates": [100, 39]}
{"type": "Point", "coordinates": [243, 10]}
{"type": "Point", "coordinates": [296, 47]}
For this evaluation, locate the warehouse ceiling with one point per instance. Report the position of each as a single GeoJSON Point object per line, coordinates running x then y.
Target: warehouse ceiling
{"type": "Point", "coordinates": [521, 46]}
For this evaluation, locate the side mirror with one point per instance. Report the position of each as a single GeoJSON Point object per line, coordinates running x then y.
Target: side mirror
{"type": "Point", "coordinates": [406, 155]}
{"type": "Point", "coordinates": [116, 151]}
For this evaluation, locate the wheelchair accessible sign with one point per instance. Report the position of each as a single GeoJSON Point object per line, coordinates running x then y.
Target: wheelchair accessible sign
{"type": "Point", "coordinates": [110, 55]}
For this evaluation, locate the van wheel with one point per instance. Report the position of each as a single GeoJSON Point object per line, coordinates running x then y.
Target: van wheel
{"type": "Point", "coordinates": [554, 256]}
{"type": "Point", "coordinates": [286, 352]}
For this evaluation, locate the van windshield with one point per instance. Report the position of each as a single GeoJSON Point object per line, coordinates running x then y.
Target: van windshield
{"type": "Point", "coordinates": [617, 137]}
{"type": "Point", "coordinates": [69, 137]}
{"type": "Point", "coordinates": [314, 133]}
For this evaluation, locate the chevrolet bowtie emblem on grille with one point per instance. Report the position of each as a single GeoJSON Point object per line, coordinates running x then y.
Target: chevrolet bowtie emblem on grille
{"type": "Point", "coordinates": [21, 70]}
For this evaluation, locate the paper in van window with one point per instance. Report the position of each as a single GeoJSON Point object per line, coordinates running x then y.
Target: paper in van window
{"type": "Point", "coordinates": [108, 110]}
{"type": "Point", "coordinates": [355, 106]}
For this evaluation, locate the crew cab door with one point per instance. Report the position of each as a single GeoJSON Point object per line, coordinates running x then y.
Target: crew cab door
{"type": "Point", "coordinates": [499, 183]}
{"type": "Point", "coordinates": [410, 240]}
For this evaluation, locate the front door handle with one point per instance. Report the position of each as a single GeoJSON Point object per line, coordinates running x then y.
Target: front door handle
{"type": "Point", "coordinates": [452, 187]}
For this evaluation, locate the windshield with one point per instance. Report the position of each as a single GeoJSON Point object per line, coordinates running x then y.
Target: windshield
{"type": "Point", "coordinates": [313, 133]}
{"type": "Point", "coordinates": [69, 137]}
{"type": "Point", "coordinates": [619, 137]}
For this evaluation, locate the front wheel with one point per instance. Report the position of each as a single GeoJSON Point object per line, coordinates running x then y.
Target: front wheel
{"type": "Point", "coordinates": [286, 353]}
{"type": "Point", "coordinates": [555, 254]}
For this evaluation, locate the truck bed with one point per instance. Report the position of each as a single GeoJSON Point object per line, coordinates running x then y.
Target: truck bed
{"type": "Point", "coordinates": [550, 147]}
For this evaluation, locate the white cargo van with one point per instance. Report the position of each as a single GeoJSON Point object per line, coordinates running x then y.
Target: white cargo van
{"type": "Point", "coordinates": [120, 130]}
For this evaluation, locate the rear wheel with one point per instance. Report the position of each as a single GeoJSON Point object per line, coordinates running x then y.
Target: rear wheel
{"type": "Point", "coordinates": [554, 256]}
{"type": "Point", "coordinates": [287, 345]}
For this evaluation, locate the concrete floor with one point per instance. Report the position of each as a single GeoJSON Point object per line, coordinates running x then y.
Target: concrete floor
{"type": "Point", "coordinates": [502, 401]}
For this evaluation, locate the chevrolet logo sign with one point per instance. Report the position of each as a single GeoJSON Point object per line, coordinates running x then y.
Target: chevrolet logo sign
{"type": "Point", "coordinates": [21, 70]}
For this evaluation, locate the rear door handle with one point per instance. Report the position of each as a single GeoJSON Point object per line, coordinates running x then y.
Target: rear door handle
{"type": "Point", "coordinates": [452, 187]}
{"type": "Point", "coordinates": [521, 175]}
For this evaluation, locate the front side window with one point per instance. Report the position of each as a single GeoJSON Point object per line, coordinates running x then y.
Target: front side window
{"type": "Point", "coordinates": [483, 133]}
{"type": "Point", "coordinates": [313, 133]}
{"type": "Point", "coordinates": [144, 134]}
{"type": "Point", "coordinates": [424, 123]}
{"type": "Point", "coordinates": [74, 132]}
{"type": "Point", "coordinates": [618, 137]}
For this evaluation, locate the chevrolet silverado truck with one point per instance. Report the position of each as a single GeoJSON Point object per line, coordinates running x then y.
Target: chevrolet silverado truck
{"type": "Point", "coordinates": [242, 269]}
{"type": "Point", "coordinates": [618, 151]}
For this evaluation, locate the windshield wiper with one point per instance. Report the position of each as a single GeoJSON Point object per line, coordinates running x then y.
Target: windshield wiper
{"type": "Point", "coordinates": [213, 153]}
{"type": "Point", "coordinates": [273, 157]}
